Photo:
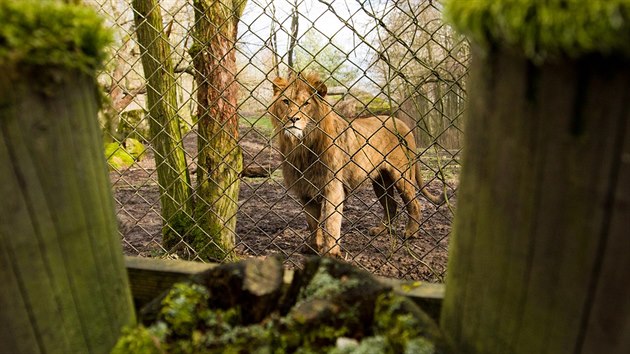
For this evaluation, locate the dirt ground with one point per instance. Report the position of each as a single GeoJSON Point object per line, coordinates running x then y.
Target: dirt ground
{"type": "Point", "coordinates": [270, 220]}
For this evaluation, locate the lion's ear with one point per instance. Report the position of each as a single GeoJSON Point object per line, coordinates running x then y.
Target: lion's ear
{"type": "Point", "coordinates": [319, 86]}
{"type": "Point", "coordinates": [279, 84]}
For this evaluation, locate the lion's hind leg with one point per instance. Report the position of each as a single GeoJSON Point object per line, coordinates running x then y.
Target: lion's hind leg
{"type": "Point", "coordinates": [407, 191]}
{"type": "Point", "coordinates": [384, 190]}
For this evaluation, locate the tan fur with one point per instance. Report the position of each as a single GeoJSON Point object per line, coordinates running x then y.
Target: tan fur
{"type": "Point", "coordinates": [326, 156]}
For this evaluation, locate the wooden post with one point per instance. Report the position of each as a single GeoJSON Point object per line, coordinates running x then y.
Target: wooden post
{"type": "Point", "coordinates": [64, 287]}
{"type": "Point", "coordinates": [539, 260]}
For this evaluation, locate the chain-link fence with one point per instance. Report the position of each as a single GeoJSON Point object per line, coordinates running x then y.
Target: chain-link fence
{"type": "Point", "coordinates": [187, 93]}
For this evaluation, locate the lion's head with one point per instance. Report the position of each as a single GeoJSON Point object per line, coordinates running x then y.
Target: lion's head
{"type": "Point", "coordinates": [297, 105]}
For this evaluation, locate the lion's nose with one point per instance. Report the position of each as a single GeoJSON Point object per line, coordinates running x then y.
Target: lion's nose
{"type": "Point", "coordinates": [294, 119]}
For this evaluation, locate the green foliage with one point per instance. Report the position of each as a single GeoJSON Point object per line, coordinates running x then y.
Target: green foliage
{"type": "Point", "coordinates": [549, 28]}
{"type": "Point", "coordinates": [51, 33]}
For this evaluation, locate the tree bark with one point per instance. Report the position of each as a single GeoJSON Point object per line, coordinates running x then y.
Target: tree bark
{"type": "Point", "coordinates": [64, 286]}
{"type": "Point", "coordinates": [173, 178]}
{"type": "Point", "coordinates": [293, 38]}
{"type": "Point", "coordinates": [540, 238]}
{"type": "Point", "coordinates": [220, 158]}
{"type": "Point", "coordinates": [273, 40]}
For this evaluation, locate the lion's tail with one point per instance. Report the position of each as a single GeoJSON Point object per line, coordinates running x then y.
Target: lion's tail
{"type": "Point", "coordinates": [435, 199]}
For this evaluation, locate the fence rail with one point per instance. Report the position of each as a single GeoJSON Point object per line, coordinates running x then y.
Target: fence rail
{"type": "Point", "coordinates": [213, 80]}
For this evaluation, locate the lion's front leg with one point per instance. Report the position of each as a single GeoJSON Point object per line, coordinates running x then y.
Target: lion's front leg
{"type": "Point", "coordinates": [331, 214]}
{"type": "Point", "coordinates": [312, 211]}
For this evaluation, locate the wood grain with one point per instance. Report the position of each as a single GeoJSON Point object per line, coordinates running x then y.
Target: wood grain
{"type": "Point", "coordinates": [64, 289]}
{"type": "Point", "coordinates": [543, 194]}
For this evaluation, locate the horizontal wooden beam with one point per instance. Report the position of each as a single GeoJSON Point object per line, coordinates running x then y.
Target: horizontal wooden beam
{"type": "Point", "coordinates": [149, 277]}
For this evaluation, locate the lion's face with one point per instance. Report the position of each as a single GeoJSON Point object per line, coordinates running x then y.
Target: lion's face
{"type": "Point", "coordinates": [295, 108]}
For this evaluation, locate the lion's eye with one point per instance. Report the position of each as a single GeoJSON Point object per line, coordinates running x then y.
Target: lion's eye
{"type": "Point", "coordinates": [285, 101]}
{"type": "Point", "coordinates": [306, 103]}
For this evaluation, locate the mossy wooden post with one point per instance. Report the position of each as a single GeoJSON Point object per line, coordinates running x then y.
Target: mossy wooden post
{"type": "Point", "coordinates": [64, 286]}
{"type": "Point", "coordinates": [175, 189]}
{"type": "Point", "coordinates": [220, 158]}
{"type": "Point", "coordinates": [539, 259]}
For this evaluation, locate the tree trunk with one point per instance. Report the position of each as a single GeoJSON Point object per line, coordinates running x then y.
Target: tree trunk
{"type": "Point", "coordinates": [220, 159]}
{"type": "Point", "coordinates": [64, 286]}
{"type": "Point", "coordinates": [540, 244]}
{"type": "Point", "coordinates": [273, 40]}
{"type": "Point", "coordinates": [170, 159]}
{"type": "Point", "coordinates": [293, 37]}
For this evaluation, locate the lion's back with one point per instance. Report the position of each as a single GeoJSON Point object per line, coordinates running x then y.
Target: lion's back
{"type": "Point", "coordinates": [383, 134]}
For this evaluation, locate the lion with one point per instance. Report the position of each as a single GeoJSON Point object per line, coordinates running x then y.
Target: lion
{"type": "Point", "coordinates": [326, 156]}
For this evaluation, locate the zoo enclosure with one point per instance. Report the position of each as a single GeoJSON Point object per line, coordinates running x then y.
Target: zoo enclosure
{"type": "Point", "coordinates": [395, 58]}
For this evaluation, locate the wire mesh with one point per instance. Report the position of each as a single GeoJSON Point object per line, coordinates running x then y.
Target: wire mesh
{"type": "Point", "coordinates": [387, 58]}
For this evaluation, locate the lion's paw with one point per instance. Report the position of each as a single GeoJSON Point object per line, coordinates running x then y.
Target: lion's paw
{"type": "Point", "coordinates": [378, 230]}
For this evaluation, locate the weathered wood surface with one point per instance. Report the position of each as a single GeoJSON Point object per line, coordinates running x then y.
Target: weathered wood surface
{"type": "Point", "coordinates": [608, 327]}
{"type": "Point", "coordinates": [539, 257]}
{"type": "Point", "coordinates": [150, 277]}
{"type": "Point", "coordinates": [64, 288]}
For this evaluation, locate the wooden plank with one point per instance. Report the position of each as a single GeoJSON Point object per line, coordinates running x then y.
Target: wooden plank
{"type": "Point", "coordinates": [428, 296]}
{"type": "Point", "coordinates": [149, 277]}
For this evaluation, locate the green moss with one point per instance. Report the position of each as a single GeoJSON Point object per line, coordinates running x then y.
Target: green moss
{"type": "Point", "coordinates": [117, 157]}
{"type": "Point", "coordinates": [325, 286]}
{"type": "Point", "coordinates": [135, 148]}
{"type": "Point", "coordinates": [51, 33]}
{"type": "Point", "coordinates": [141, 340]}
{"type": "Point", "coordinates": [191, 320]}
{"type": "Point", "coordinates": [184, 307]}
{"type": "Point", "coordinates": [544, 29]}
{"type": "Point", "coordinates": [123, 155]}
{"type": "Point", "coordinates": [408, 331]}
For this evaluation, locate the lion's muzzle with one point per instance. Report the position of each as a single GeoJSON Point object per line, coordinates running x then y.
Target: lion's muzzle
{"type": "Point", "coordinates": [293, 131]}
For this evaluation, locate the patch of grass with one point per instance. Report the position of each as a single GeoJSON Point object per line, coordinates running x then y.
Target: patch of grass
{"type": "Point", "coordinates": [431, 164]}
{"type": "Point", "coordinates": [258, 122]}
